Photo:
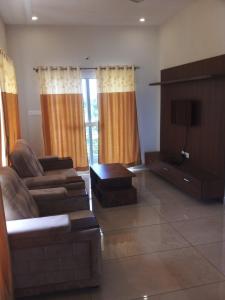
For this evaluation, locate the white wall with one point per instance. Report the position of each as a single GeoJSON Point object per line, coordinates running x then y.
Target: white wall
{"type": "Point", "coordinates": [44, 45]}
{"type": "Point", "coordinates": [2, 35]}
{"type": "Point", "coordinates": [195, 33]}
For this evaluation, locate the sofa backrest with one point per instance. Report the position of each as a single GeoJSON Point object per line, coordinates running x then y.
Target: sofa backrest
{"type": "Point", "coordinates": [25, 161]}
{"type": "Point", "coordinates": [18, 202]}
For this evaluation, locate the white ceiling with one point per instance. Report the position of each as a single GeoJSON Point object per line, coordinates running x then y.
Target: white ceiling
{"type": "Point", "coordinates": [89, 12]}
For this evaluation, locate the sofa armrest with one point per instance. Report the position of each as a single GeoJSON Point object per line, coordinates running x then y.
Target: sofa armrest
{"type": "Point", "coordinates": [43, 231]}
{"type": "Point", "coordinates": [83, 220]}
{"type": "Point", "coordinates": [48, 158]}
{"type": "Point", "coordinates": [38, 227]}
{"type": "Point", "coordinates": [50, 163]}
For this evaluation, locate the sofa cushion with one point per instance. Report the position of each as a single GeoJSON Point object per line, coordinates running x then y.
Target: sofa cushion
{"type": "Point", "coordinates": [52, 194]}
{"type": "Point", "coordinates": [66, 172]}
{"type": "Point", "coordinates": [51, 181]}
{"type": "Point", "coordinates": [18, 203]}
{"type": "Point", "coordinates": [25, 161]}
{"type": "Point", "coordinates": [40, 181]}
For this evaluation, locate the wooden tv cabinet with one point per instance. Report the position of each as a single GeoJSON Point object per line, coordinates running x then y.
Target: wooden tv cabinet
{"type": "Point", "coordinates": [197, 183]}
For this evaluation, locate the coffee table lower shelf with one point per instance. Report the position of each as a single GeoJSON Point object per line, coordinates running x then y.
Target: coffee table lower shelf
{"type": "Point", "coordinates": [116, 196]}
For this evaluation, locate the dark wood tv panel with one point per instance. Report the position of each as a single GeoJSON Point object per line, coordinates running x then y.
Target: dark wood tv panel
{"type": "Point", "coordinates": [203, 174]}
{"type": "Point", "coordinates": [197, 183]}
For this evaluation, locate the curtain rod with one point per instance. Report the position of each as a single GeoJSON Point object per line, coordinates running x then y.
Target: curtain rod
{"type": "Point", "coordinates": [84, 68]}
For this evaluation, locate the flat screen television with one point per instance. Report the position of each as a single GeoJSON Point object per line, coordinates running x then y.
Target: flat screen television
{"type": "Point", "coordinates": [185, 112]}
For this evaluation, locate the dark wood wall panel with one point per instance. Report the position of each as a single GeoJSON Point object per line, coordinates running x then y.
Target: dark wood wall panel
{"type": "Point", "coordinates": [206, 141]}
{"type": "Point", "coordinates": [215, 65]}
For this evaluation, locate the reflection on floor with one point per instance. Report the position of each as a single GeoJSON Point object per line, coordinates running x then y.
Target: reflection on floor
{"type": "Point", "coordinates": [167, 247]}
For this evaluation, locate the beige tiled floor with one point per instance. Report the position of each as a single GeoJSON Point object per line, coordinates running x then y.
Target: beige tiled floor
{"type": "Point", "coordinates": [128, 217]}
{"type": "Point", "coordinates": [179, 212]}
{"type": "Point", "coordinates": [208, 292]}
{"type": "Point", "coordinates": [202, 230]}
{"type": "Point", "coordinates": [215, 253]}
{"type": "Point", "coordinates": [148, 239]}
{"type": "Point", "coordinates": [167, 247]}
{"type": "Point", "coordinates": [156, 273]}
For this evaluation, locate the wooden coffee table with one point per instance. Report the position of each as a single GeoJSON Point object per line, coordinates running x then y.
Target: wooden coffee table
{"type": "Point", "coordinates": [112, 184]}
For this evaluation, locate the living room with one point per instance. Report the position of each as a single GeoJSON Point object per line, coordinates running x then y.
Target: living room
{"type": "Point", "coordinates": [168, 242]}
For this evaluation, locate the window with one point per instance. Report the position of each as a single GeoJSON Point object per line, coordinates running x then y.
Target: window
{"type": "Point", "coordinates": [89, 87]}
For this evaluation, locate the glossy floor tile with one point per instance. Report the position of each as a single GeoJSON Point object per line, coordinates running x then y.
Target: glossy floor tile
{"type": "Point", "coordinates": [215, 253]}
{"type": "Point", "coordinates": [147, 197]}
{"type": "Point", "coordinates": [154, 274]}
{"type": "Point", "coordinates": [128, 242]}
{"type": "Point", "coordinates": [174, 197]}
{"type": "Point", "coordinates": [203, 230]}
{"type": "Point", "coordinates": [209, 292]}
{"type": "Point", "coordinates": [181, 212]}
{"type": "Point", "coordinates": [128, 217]}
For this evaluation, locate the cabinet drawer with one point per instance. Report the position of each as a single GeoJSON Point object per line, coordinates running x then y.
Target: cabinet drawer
{"type": "Point", "coordinates": [160, 168]}
{"type": "Point", "coordinates": [165, 170]}
{"type": "Point", "coordinates": [187, 183]}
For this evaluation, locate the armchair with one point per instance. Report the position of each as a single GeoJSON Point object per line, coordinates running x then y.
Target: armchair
{"type": "Point", "coordinates": [46, 172]}
{"type": "Point", "coordinates": [49, 252]}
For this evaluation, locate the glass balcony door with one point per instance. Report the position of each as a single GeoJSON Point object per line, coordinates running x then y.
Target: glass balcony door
{"type": "Point", "coordinates": [89, 87]}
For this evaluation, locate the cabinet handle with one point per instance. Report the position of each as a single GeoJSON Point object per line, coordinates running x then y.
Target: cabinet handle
{"type": "Point", "coordinates": [165, 169]}
{"type": "Point", "coordinates": [187, 180]}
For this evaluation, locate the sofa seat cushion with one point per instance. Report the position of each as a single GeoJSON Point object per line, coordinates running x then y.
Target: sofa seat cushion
{"type": "Point", "coordinates": [54, 194]}
{"type": "Point", "coordinates": [50, 181]}
{"type": "Point", "coordinates": [66, 172]}
{"type": "Point", "coordinates": [18, 203]}
{"type": "Point", "coordinates": [39, 181]}
{"type": "Point", "coordinates": [82, 220]}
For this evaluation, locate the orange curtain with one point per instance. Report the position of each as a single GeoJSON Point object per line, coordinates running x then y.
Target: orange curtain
{"type": "Point", "coordinates": [10, 105]}
{"type": "Point", "coordinates": [12, 119]}
{"type": "Point", "coordinates": [63, 127]}
{"type": "Point", "coordinates": [6, 288]}
{"type": "Point", "coordinates": [62, 114]}
{"type": "Point", "coordinates": [118, 128]}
